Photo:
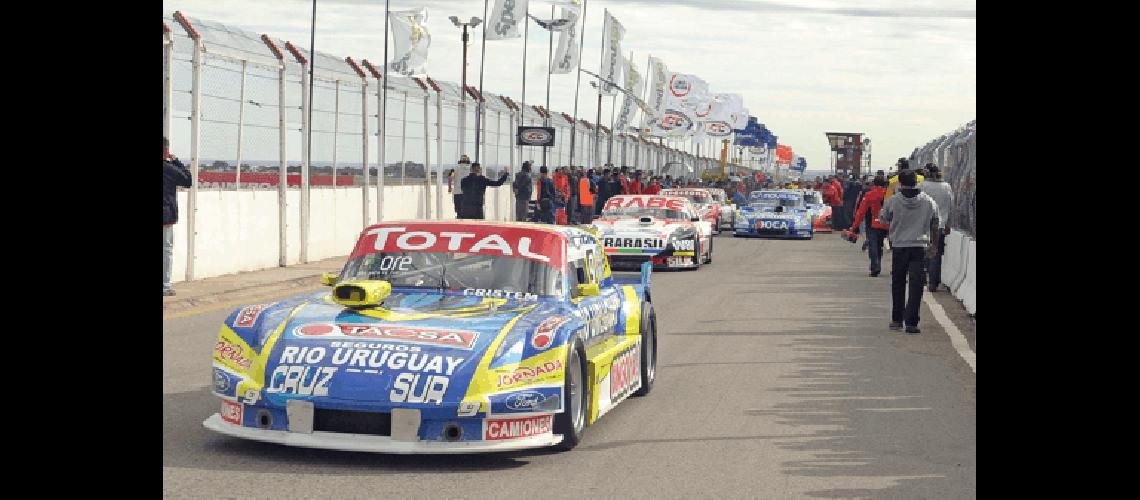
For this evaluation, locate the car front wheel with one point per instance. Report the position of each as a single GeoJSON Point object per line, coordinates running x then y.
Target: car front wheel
{"type": "Point", "coordinates": [572, 421]}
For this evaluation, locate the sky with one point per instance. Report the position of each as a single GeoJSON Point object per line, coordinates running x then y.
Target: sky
{"type": "Point", "coordinates": [903, 72]}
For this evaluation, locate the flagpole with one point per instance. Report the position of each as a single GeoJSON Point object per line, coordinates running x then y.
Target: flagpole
{"type": "Point", "coordinates": [549, 61]}
{"type": "Point", "coordinates": [479, 103]}
{"type": "Point", "coordinates": [383, 119]}
{"type": "Point", "coordinates": [601, 59]}
{"type": "Point", "coordinates": [522, 103]}
{"type": "Point", "coordinates": [613, 111]}
{"type": "Point", "coordinates": [578, 81]}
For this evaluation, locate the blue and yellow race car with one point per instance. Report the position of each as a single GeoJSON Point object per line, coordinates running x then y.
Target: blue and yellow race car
{"type": "Point", "coordinates": [439, 337]}
{"type": "Point", "coordinates": [775, 214]}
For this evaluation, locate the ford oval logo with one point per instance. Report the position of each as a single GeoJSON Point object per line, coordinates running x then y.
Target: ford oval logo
{"type": "Point", "coordinates": [528, 400]}
{"type": "Point", "coordinates": [536, 136]}
{"type": "Point", "coordinates": [717, 128]}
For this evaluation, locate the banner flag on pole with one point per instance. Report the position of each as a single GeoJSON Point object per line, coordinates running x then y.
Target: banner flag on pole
{"type": "Point", "coordinates": [611, 53]}
{"type": "Point", "coordinates": [634, 85]}
{"type": "Point", "coordinates": [566, 57]}
{"type": "Point", "coordinates": [506, 18]}
{"type": "Point", "coordinates": [411, 41]}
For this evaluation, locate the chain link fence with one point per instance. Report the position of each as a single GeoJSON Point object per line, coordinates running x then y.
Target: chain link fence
{"type": "Point", "coordinates": [956, 154]}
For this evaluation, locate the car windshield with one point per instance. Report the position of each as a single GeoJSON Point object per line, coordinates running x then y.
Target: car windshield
{"type": "Point", "coordinates": [698, 197]}
{"type": "Point", "coordinates": [639, 212]}
{"type": "Point", "coordinates": [774, 199]}
{"type": "Point", "coordinates": [456, 271]}
{"type": "Point", "coordinates": [813, 197]}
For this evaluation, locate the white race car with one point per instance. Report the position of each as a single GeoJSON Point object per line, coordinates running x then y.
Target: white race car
{"type": "Point", "coordinates": [664, 230]}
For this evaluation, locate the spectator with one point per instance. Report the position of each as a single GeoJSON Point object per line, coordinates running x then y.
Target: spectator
{"type": "Point", "coordinates": [523, 191]}
{"type": "Point", "coordinates": [454, 180]}
{"type": "Point", "coordinates": [474, 186]}
{"type": "Point", "coordinates": [869, 208]}
{"type": "Point", "coordinates": [912, 218]}
{"type": "Point", "coordinates": [174, 175]}
{"type": "Point", "coordinates": [943, 197]}
{"type": "Point", "coordinates": [634, 186]}
{"type": "Point", "coordinates": [892, 184]}
{"type": "Point", "coordinates": [544, 211]}
{"type": "Point", "coordinates": [851, 192]}
{"type": "Point", "coordinates": [562, 185]}
{"type": "Point", "coordinates": [586, 190]}
{"type": "Point", "coordinates": [652, 188]}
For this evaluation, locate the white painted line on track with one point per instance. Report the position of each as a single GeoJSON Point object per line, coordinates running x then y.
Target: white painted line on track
{"type": "Point", "coordinates": [956, 337]}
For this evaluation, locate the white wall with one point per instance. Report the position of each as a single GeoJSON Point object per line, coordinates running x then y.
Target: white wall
{"type": "Point", "coordinates": [238, 230]}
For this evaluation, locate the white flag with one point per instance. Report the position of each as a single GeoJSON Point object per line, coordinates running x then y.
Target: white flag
{"type": "Point", "coordinates": [566, 59]}
{"type": "Point", "coordinates": [723, 111]}
{"type": "Point", "coordinates": [658, 76]}
{"type": "Point", "coordinates": [633, 85]}
{"type": "Point", "coordinates": [506, 19]}
{"type": "Point", "coordinates": [611, 53]}
{"type": "Point", "coordinates": [411, 40]}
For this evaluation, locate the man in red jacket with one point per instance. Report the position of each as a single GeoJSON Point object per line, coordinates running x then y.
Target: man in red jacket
{"type": "Point", "coordinates": [869, 209]}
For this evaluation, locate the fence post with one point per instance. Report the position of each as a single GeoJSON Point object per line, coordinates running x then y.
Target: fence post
{"type": "Point", "coordinates": [403, 140]}
{"type": "Point", "coordinates": [306, 112]}
{"type": "Point", "coordinates": [365, 137]}
{"type": "Point", "coordinates": [336, 124]}
{"type": "Point", "coordinates": [427, 158]}
{"type": "Point", "coordinates": [195, 139]}
{"type": "Point", "coordinates": [510, 147]}
{"type": "Point", "coordinates": [167, 63]}
{"type": "Point", "coordinates": [283, 182]}
{"type": "Point", "coordinates": [241, 125]}
{"type": "Point", "coordinates": [438, 148]}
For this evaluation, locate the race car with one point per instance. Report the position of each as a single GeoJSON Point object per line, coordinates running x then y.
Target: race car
{"type": "Point", "coordinates": [441, 337]}
{"type": "Point", "coordinates": [665, 231]}
{"type": "Point", "coordinates": [707, 208]}
{"type": "Point", "coordinates": [775, 213]}
{"type": "Point", "coordinates": [820, 212]}
{"type": "Point", "coordinates": [727, 209]}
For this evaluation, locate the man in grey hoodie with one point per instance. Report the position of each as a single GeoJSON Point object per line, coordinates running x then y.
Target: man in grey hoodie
{"type": "Point", "coordinates": [943, 196]}
{"type": "Point", "coordinates": [913, 217]}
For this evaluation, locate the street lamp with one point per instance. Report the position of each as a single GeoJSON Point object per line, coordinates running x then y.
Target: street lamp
{"type": "Point", "coordinates": [475, 21]}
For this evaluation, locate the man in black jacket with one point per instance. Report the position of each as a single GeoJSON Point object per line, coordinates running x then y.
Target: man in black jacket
{"type": "Point", "coordinates": [545, 208]}
{"type": "Point", "coordinates": [523, 187]}
{"type": "Point", "coordinates": [474, 186]}
{"type": "Point", "coordinates": [174, 174]}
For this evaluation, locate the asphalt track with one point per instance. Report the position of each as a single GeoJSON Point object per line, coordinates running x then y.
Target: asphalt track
{"type": "Point", "coordinates": [777, 378]}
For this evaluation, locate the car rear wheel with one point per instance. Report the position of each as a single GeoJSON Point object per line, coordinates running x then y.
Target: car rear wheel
{"type": "Point", "coordinates": [648, 348]}
{"type": "Point", "coordinates": [572, 421]}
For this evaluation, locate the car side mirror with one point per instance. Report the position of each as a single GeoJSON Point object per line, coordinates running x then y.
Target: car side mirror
{"type": "Point", "coordinates": [695, 219]}
{"type": "Point", "coordinates": [328, 279]}
{"type": "Point", "coordinates": [589, 290]}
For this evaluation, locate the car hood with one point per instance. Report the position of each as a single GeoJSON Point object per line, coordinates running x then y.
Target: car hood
{"type": "Point", "coordinates": [631, 225]}
{"type": "Point", "coordinates": [421, 350]}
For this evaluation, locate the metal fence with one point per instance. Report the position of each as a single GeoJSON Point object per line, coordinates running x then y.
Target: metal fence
{"type": "Point", "coordinates": [237, 104]}
{"type": "Point", "coordinates": [956, 154]}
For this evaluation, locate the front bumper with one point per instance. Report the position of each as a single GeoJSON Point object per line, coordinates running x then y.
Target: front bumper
{"type": "Point", "coordinates": [770, 233]}
{"type": "Point", "coordinates": [376, 444]}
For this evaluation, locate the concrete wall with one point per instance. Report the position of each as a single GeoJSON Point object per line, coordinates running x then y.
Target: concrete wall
{"type": "Point", "coordinates": [239, 230]}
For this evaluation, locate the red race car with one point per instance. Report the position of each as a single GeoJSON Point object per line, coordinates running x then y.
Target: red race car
{"type": "Point", "coordinates": [707, 208]}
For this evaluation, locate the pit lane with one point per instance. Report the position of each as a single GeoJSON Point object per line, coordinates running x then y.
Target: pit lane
{"type": "Point", "coordinates": [777, 377]}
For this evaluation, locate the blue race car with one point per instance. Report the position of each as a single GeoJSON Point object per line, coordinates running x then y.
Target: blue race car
{"type": "Point", "coordinates": [442, 337]}
{"type": "Point", "coordinates": [776, 214]}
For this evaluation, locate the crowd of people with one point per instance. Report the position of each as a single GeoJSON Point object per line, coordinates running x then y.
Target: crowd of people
{"type": "Point", "coordinates": [568, 195]}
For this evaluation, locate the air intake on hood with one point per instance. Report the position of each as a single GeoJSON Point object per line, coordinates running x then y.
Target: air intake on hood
{"type": "Point", "coordinates": [645, 220]}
